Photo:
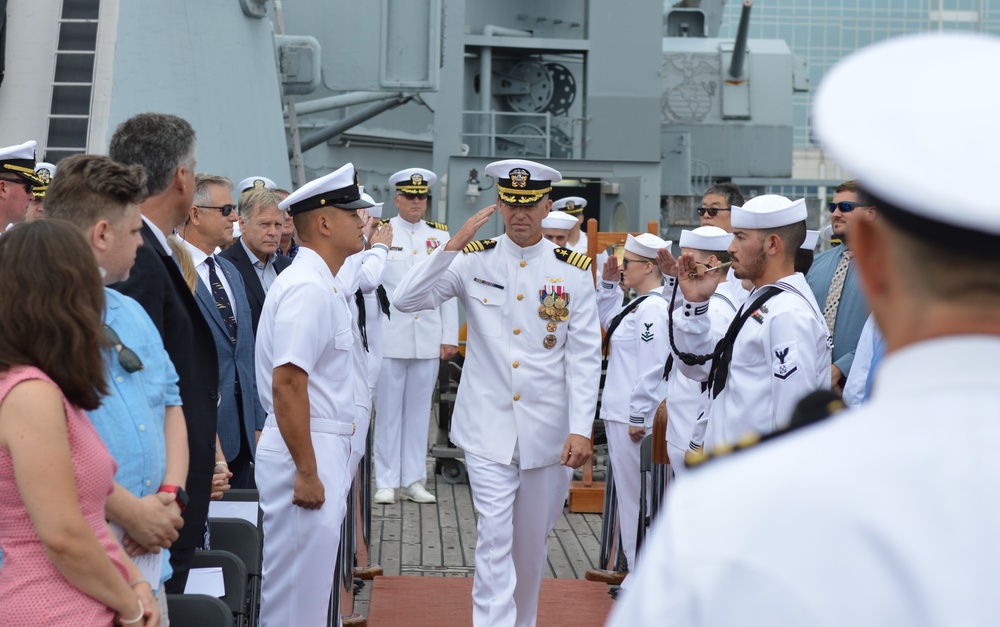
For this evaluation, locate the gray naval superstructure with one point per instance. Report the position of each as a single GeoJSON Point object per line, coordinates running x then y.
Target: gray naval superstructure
{"type": "Point", "coordinates": [638, 104]}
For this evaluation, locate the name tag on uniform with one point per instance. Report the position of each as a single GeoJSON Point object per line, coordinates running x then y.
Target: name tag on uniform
{"type": "Point", "coordinates": [395, 248]}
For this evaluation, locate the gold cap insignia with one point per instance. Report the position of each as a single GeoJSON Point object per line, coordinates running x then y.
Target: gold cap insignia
{"type": "Point", "coordinates": [519, 178]}
{"type": "Point", "coordinates": [44, 174]}
{"type": "Point", "coordinates": [416, 179]}
{"type": "Point", "coordinates": [570, 205]}
{"type": "Point", "coordinates": [259, 184]}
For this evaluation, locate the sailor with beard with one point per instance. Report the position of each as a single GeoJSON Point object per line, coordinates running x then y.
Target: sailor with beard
{"type": "Point", "coordinates": [777, 349]}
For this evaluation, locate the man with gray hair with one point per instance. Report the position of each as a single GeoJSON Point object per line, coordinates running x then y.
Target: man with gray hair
{"type": "Point", "coordinates": [165, 146]}
{"type": "Point", "coordinates": [717, 203]}
{"type": "Point", "coordinates": [255, 254]}
{"type": "Point", "coordinates": [222, 297]}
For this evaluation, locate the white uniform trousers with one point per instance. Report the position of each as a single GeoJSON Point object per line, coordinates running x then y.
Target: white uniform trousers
{"type": "Point", "coordinates": [402, 420]}
{"type": "Point", "coordinates": [300, 545]}
{"type": "Point", "coordinates": [624, 454]}
{"type": "Point", "coordinates": [676, 455]}
{"type": "Point", "coordinates": [517, 511]}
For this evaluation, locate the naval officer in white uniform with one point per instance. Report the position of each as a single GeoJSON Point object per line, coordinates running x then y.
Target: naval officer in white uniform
{"type": "Point", "coordinates": [904, 533]}
{"type": "Point", "coordinates": [636, 338]}
{"type": "Point", "coordinates": [780, 352]}
{"type": "Point", "coordinates": [415, 344]}
{"type": "Point", "coordinates": [526, 402]}
{"type": "Point", "coordinates": [574, 206]}
{"type": "Point", "coordinates": [305, 377]}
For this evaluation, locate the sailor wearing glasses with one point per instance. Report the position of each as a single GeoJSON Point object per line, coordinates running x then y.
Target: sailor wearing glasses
{"type": "Point", "coordinates": [835, 282]}
{"type": "Point", "coordinates": [415, 344]}
{"type": "Point", "coordinates": [636, 339]}
{"type": "Point", "coordinates": [17, 182]}
{"type": "Point", "coordinates": [525, 406]}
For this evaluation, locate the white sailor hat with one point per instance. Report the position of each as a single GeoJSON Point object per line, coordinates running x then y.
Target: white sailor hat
{"type": "Point", "coordinates": [413, 181]}
{"type": "Point", "coordinates": [20, 160]}
{"type": "Point", "coordinates": [645, 244]}
{"type": "Point", "coordinates": [558, 220]}
{"type": "Point", "coordinates": [827, 233]}
{"type": "Point", "coordinates": [44, 171]}
{"type": "Point", "coordinates": [706, 238]}
{"type": "Point", "coordinates": [255, 182]}
{"type": "Point", "coordinates": [572, 205]}
{"type": "Point", "coordinates": [338, 189]}
{"type": "Point", "coordinates": [521, 182]}
{"type": "Point", "coordinates": [812, 238]}
{"type": "Point", "coordinates": [923, 139]}
{"type": "Point", "coordinates": [237, 231]}
{"type": "Point", "coordinates": [768, 211]}
{"type": "Point", "coordinates": [375, 210]}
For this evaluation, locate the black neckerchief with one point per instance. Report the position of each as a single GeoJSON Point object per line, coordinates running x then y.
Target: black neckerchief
{"type": "Point", "coordinates": [359, 299]}
{"type": "Point", "coordinates": [383, 300]}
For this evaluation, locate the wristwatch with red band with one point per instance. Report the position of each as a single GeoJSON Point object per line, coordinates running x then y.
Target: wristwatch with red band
{"type": "Point", "coordinates": [176, 490]}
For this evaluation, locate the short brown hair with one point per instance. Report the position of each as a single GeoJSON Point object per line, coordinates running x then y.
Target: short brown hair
{"type": "Point", "coordinates": [848, 186]}
{"type": "Point", "coordinates": [91, 188]}
{"type": "Point", "coordinates": [52, 309]}
{"type": "Point", "coordinates": [256, 199]}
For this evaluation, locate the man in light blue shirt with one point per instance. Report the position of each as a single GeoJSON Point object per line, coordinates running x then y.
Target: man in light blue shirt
{"type": "Point", "coordinates": [141, 420]}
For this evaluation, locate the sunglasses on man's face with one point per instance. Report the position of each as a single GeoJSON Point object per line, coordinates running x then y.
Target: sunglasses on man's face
{"type": "Point", "coordinates": [415, 196]}
{"type": "Point", "coordinates": [28, 187]}
{"type": "Point", "coordinates": [225, 209]}
{"type": "Point", "coordinates": [129, 361]}
{"type": "Point", "coordinates": [844, 206]}
{"type": "Point", "coordinates": [711, 211]}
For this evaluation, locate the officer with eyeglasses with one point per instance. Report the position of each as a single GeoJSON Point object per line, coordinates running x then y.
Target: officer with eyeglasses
{"type": "Point", "coordinates": [415, 343]}
{"type": "Point", "coordinates": [835, 282]}
{"type": "Point", "coordinates": [17, 182]}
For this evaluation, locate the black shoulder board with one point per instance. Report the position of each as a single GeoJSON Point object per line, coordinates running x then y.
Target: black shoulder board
{"type": "Point", "coordinates": [479, 246]}
{"type": "Point", "coordinates": [437, 225]}
{"type": "Point", "coordinates": [572, 258]}
{"type": "Point", "coordinates": [383, 221]}
{"type": "Point", "coordinates": [813, 408]}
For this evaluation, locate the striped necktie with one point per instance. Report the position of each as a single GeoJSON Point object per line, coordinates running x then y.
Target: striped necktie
{"type": "Point", "coordinates": [836, 289]}
{"type": "Point", "coordinates": [221, 300]}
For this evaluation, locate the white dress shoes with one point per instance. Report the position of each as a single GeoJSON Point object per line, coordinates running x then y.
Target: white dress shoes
{"type": "Point", "coordinates": [416, 493]}
{"type": "Point", "coordinates": [385, 496]}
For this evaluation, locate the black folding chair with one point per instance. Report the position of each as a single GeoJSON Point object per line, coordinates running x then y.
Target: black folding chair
{"type": "Point", "coordinates": [246, 495]}
{"type": "Point", "coordinates": [198, 610]}
{"type": "Point", "coordinates": [234, 573]}
{"type": "Point", "coordinates": [243, 540]}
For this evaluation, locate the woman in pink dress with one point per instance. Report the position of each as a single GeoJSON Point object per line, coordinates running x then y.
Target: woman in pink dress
{"type": "Point", "coordinates": [61, 566]}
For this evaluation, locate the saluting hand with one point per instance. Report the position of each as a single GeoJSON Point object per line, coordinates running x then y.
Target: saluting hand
{"type": "Point", "coordinates": [696, 285]}
{"type": "Point", "coordinates": [468, 231]}
{"type": "Point", "coordinates": [611, 271]}
{"type": "Point", "coordinates": [308, 492]}
{"type": "Point", "coordinates": [381, 235]}
{"type": "Point", "coordinates": [666, 263]}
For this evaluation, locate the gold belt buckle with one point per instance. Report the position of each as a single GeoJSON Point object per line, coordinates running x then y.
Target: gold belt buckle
{"type": "Point", "coordinates": [354, 428]}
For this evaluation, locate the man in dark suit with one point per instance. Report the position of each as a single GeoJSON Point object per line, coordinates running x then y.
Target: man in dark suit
{"type": "Point", "coordinates": [165, 146]}
{"type": "Point", "coordinates": [222, 297]}
{"type": "Point", "coordinates": [254, 254]}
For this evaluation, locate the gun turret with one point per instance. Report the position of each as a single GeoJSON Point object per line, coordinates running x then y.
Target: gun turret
{"type": "Point", "coordinates": [740, 47]}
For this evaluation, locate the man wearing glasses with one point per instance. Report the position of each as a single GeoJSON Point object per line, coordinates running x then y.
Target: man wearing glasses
{"type": "Point", "coordinates": [717, 203]}
{"type": "Point", "coordinates": [17, 182]}
{"type": "Point", "coordinates": [415, 343]}
{"type": "Point", "coordinates": [255, 254]}
{"type": "Point", "coordinates": [141, 419]}
{"type": "Point", "coordinates": [835, 282]}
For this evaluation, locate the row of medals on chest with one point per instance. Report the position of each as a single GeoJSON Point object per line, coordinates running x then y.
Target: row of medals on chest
{"type": "Point", "coordinates": [554, 307]}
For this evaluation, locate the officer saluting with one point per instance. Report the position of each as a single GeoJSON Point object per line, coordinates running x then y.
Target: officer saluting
{"type": "Point", "coordinates": [529, 388]}
{"type": "Point", "coordinates": [305, 377]}
{"type": "Point", "coordinates": [884, 515]}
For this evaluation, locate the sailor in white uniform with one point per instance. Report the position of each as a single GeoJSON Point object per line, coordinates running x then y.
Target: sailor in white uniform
{"type": "Point", "coordinates": [781, 346]}
{"type": "Point", "coordinates": [415, 344]}
{"type": "Point", "coordinates": [574, 206]}
{"type": "Point", "coordinates": [687, 398]}
{"type": "Point", "coordinates": [305, 375]}
{"type": "Point", "coordinates": [525, 407]}
{"type": "Point", "coordinates": [636, 339]}
{"type": "Point", "coordinates": [904, 533]}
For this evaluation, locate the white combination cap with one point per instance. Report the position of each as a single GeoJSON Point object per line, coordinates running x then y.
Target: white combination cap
{"type": "Point", "coordinates": [558, 220]}
{"type": "Point", "coordinates": [812, 238]}
{"type": "Point", "coordinates": [44, 171]}
{"type": "Point", "coordinates": [573, 205]}
{"type": "Point", "coordinates": [706, 238]}
{"type": "Point", "coordinates": [338, 189]}
{"type": "Point", "coordinates": [923, 138]}
{"type": "Point", "coordinates": [769, 211]}
{"type": "Point", "coordinates": [20, 160]}
{"type": "Point", "coordinates": [413, 180]}
{"type": "Point", "coordinates": [255, 182]}
{"type": "Point", "coordinates": [522, 182]}
{"type": "Point", "coordinates": [375, 210]}
{"type": "Point", "coordinates": [645, 244]}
